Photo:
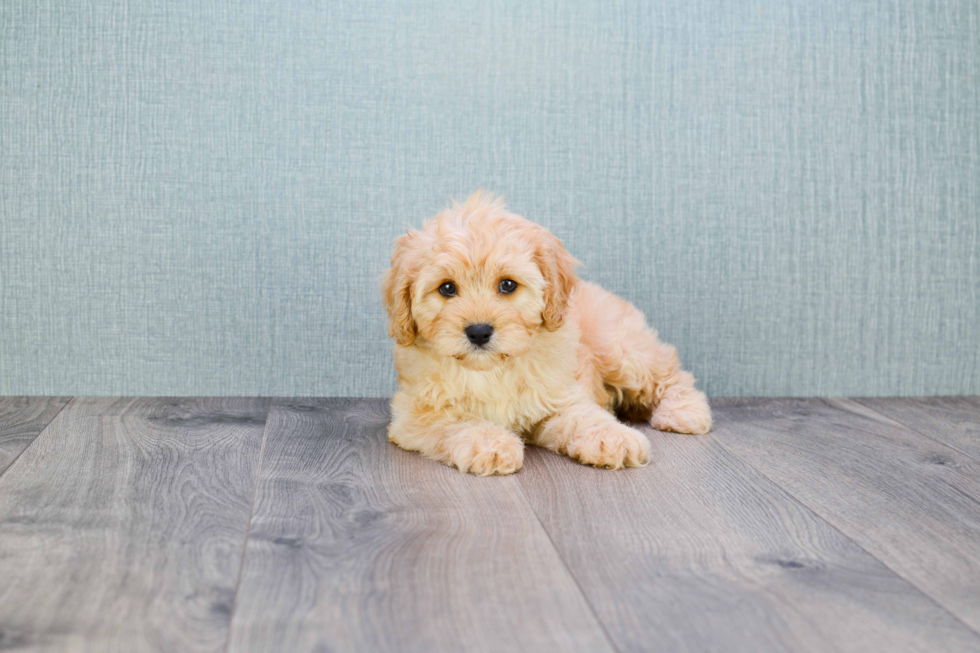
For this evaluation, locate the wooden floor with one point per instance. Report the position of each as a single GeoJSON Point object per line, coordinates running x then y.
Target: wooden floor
{"type": "Point", "coordinates": [293, 525]}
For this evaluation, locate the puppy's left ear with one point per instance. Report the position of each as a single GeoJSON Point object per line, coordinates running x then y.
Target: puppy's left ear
{"type": "Point", "coordinates": [558, 268]}
{"type": "Point", "coordinates": [397, 290]}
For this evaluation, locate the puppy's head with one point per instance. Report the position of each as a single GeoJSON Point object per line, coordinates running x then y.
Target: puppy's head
{"type": "Point", "coordinates": [476, 283]}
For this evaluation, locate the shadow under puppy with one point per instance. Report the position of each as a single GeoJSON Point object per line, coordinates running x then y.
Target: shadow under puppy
{"type": "Point", "coordinates": [499, 342]}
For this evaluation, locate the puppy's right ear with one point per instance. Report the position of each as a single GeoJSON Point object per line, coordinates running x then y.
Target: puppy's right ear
{"type": "Point", "coordinates": [397, 290]}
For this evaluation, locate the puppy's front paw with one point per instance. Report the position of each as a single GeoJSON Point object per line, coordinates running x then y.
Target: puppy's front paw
{"type": "Point", "coordinates": [486, 450]}
{"type": "Point", "coordinates": [611, 445]}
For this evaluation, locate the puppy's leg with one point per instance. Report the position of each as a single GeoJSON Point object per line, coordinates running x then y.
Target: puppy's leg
{"type": "Point", "coordinates": [476, 447]}
{"type": "Point", "coordinates": [666, 389]}
{"type": "Point", "coordinates": [592, 436]}
{"type": "Point", "coordinates": [627, 360]}
{"type": "Point", "coordinates": [682, 407]}
{"type": "Point", "coordinates": [483, 449]}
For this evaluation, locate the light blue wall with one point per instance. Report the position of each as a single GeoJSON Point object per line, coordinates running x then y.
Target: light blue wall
{"type": "Point", "coordinates": [199, 197]}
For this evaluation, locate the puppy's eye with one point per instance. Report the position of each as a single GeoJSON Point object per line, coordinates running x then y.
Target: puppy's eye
{"type": "Point", "coordinates": [507, 286]}
{"type": "Point", "coordinates": [447, 289]}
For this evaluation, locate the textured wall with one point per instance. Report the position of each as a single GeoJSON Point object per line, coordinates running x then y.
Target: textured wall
{"type": "Point", "coordinates": [198, 197]}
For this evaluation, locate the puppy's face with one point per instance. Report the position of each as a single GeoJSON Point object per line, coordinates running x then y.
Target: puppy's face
{"type": "Point", "coordinates": [476, 284]}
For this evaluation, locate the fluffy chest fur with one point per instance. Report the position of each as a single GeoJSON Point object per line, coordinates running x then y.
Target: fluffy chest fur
{"type": "Point", "coordinates": [515, 395]}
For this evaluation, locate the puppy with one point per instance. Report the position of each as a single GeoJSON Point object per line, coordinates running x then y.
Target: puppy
{"type": "Point", "coordinates": [498, 343]}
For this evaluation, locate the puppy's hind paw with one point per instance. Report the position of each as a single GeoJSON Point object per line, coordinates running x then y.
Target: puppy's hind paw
{"type": "Point", "coordinates": [487, 450]}
{"type": "Point", "coordinates": [689, 416]}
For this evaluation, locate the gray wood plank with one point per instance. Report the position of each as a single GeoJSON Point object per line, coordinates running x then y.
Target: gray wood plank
{"type": "Point", "coordinates": [188, 410]}
{"type": "Point", "coordinates": [910, 501]}
{"type": "Point", "coordinates": [122, 527]}
{"type": "Point", "coordinates": [356, 545]}
{"type": "Point", "coordinates": [699, 552]}
{"type": "Point", "coordinates": [21, 419]}
{"type": "Point", "coordinates": [951, 420]}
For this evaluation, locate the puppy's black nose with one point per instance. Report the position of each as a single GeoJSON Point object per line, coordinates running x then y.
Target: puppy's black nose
{"type": "Point", "coordinates": [479, 334]}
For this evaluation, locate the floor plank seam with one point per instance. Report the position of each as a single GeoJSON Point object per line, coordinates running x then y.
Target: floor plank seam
{"type": "Point", "coordinates": [34, 439]}
{"type": "Point", "coordinates": [832, 525]}
{"type": "Point", "coordinates": [568, 570]}
{"type": "Point", "coordinates": [895, 420]}
{"type": "Point", "coordinates": [248, 528]}
{"type": "Point", "coordinates": [756, 538]}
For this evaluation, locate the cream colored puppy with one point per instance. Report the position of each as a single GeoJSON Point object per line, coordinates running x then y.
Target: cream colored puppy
{"type": "Point", "coordinates": [498, 343]}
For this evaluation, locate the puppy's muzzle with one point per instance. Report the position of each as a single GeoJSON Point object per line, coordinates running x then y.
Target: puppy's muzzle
{"type": "Point", "coordinates": [479, 334]}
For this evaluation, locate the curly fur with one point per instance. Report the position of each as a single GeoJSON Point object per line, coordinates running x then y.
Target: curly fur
{"type": "Point", "coordinates": [565, 356]}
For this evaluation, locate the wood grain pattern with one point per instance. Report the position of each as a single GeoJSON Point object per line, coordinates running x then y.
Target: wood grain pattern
{"type": "Point", "coordinates": [800, 525]}
{"type": "Point", "coordinates": [699, 552]}
{"type": "Point", "coordinates": [21, 419]}
{"type": "Point", "coordinates": [122, 527]}
{"type": "Point", "coordinates": [910, 501]}
{"type": "Point", "coordinates": [356, 545]}
{"type": "Point", "coordinates": [951, 420]}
